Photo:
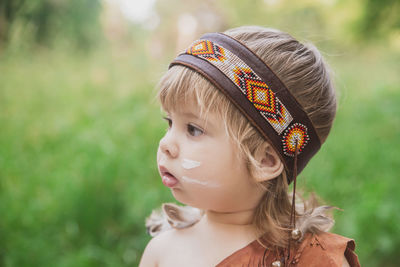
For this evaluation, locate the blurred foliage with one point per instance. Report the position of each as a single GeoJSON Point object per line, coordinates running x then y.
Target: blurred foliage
{"type": "Point", "coordinates": [79, 132]}
{"type": "Point", "coordinates": [379, 18]}
{"type": "Point", "coordinates": [74, 20]}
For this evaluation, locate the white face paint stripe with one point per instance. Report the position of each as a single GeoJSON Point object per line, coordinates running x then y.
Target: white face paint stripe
{"type": "Point", "coordinates": [194, 181]}
{"type": "Point", "coordinates": [190, 164]}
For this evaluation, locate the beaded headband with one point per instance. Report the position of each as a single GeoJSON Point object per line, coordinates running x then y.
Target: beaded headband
{"type": "Point", "coordinates": [258, 93]}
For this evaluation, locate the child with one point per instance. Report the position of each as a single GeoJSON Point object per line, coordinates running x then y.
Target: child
{"type": "Point", "coordinates": [247, 109]}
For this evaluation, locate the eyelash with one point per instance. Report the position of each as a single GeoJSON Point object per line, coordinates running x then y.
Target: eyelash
{"type": "Point", "coordinates": [189, 127]}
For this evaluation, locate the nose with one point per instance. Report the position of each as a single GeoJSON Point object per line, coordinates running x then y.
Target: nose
{"type": "Point", "coordinates": [169, 146]}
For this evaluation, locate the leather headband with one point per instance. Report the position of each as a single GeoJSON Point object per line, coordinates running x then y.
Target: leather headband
{"type": "Point", "coordinates": [257, 92]}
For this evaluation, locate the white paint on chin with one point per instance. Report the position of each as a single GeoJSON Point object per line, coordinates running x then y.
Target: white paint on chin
{"type": "Point", "coordinates": [202, 183]}
{"type": "Point", "coordinates": [190, 164]}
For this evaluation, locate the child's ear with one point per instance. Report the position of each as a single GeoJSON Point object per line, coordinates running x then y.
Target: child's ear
{"type": "Point", "coordinates": [270, 165]}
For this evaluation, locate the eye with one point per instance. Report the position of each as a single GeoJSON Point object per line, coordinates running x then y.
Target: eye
{"type": "Point", "coordinates": [194, 131]}
{"type": "Point", "coordinates": [169, 121]}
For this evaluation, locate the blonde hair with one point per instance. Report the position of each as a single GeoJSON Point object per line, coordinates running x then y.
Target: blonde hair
{"type": "Point", "coordinates": [304, 72]}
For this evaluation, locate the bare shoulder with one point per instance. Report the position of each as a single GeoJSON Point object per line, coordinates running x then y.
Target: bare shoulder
{"type": "Point", "coordinates": [150, 254]}
{"type": "Point", "coordinates": [155, 249]}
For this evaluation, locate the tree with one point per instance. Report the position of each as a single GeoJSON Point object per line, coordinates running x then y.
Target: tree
{"type": "Point", "coordinates": [379, 18]}
{"type": "Point", "coordinates": [75, 20]}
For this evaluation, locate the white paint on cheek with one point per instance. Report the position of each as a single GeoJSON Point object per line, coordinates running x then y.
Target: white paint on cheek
{"type": "Point", "coordinates": [203, 183]}
{"type": "Point", "coordinates": [190, 164]}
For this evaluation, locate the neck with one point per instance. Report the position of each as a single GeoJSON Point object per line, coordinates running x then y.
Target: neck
{"type": "Point", "coordinates": [228, 225]}
{"type": "Point", "coordinates": [237, 218]}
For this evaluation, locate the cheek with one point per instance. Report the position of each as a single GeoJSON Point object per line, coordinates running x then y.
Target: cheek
{"type": "Point", "coordinates": [158, 154]}
{"type": "Point", "coordinates": [211, 173]}
{"type": "Point", "coordinates": [190, 164]}
{"type": "Point", "coordinates": [199, 172]}
{"type": "Point", "coordinates": [222, 162]}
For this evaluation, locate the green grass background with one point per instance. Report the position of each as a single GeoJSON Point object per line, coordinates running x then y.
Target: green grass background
{"type": "Point", "coordinates": [78, 141]}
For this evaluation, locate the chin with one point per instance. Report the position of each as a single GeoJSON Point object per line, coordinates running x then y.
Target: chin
{"type": "Point", "coordinates": [179, 196]}
{"type": "Point", "coordinates": [182, 198]}
{"type": "Point", "coordinates": [205, 202]}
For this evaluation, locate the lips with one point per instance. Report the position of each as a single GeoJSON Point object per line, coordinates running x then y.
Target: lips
{"type": "Point", "coordinates": [167, 178]}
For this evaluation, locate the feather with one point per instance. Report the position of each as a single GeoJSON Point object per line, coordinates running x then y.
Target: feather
{"type": "Point", "coordinates": [172, 216]}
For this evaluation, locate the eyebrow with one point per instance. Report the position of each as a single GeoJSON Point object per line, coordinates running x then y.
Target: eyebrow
{"type": "Point", "coordinates": [187, 114]}
{"type": "Point", "coordinates": [192, 115]}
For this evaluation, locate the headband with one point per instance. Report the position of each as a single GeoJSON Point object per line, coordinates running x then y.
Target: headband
{"type": "Point", "coordinates": [258, 93]}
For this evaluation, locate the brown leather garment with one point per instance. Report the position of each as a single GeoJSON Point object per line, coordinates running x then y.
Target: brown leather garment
{"type": "Point", "coordinates": [324, 249]}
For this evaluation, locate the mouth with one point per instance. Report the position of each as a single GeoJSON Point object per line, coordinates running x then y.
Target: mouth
{"type": "Point", "coordinates": [164, 171]}
{"type": "Point", "coordinates": [168, 179]}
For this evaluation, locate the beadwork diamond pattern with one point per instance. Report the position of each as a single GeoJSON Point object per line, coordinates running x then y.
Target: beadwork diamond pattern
{"type": "Point", "coordinates": [249, 83]}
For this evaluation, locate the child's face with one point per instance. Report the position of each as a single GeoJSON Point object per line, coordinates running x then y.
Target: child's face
{"type": "Point", "coordinates": [204, 170]}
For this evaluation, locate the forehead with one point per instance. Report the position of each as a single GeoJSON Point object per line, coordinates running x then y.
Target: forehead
{"type": "Point", "coordinates": [182, 106]}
